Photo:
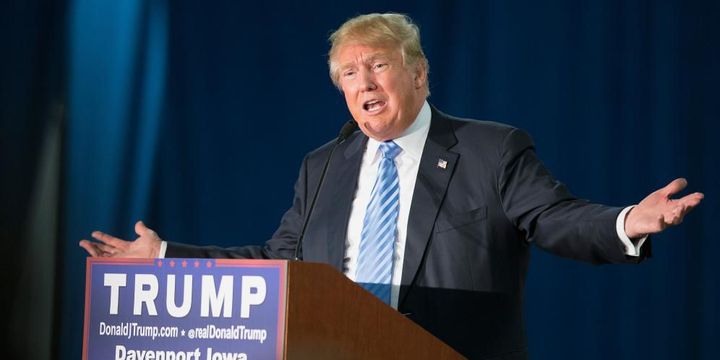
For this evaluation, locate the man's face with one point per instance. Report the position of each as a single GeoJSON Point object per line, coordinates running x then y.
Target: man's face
{"type": "Point", "coordinates": [383, 95]}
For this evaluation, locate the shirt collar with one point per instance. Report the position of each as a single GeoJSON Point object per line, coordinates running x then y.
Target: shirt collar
{"type": "Point", "coordinates": [412, 140]}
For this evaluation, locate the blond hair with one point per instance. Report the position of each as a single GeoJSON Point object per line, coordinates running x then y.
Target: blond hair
{"type": "Point", "coordinates": [379, 30]}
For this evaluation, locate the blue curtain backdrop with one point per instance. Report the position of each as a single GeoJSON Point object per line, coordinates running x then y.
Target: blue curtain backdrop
{"type": "Point", "coordinates": [194, 116]}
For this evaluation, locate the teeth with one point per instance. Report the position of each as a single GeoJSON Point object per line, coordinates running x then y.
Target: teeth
{"type": "Point", "coordinates": [372, 105]}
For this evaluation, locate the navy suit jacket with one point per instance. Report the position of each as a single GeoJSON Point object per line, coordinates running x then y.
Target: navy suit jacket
{"type": "Point", "coordinates": [470, 226]}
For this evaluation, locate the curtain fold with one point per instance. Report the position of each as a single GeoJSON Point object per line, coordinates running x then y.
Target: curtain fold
{"type": "Point", "coordinates": [116, 85]}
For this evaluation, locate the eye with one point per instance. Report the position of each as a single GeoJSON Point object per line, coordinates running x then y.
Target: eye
{"type": "Point", "coordinates": [349, 74]}
{"type": "Point", "coordinates": [379, 66]}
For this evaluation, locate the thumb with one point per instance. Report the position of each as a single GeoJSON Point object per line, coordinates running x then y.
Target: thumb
{"type": "Point", "coordinates": [140, 228]}
{"type": "Point", "coordinates": [674, 186]}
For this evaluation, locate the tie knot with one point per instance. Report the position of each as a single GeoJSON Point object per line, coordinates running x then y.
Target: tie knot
{"type": "Point", "coordinates": [390, 149]}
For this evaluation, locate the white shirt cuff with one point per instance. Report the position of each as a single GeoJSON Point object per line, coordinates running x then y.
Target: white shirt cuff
{"type": "Point", "coordinates": [631, 249]}
{"type": "Point", "coordinates": [163, 249]}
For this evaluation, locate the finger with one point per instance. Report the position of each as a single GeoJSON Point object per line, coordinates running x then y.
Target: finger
{"type": "Point", "coordinates": [691, 200]}
{"type": "Point", "coordinates": [107, 249]}
{"type": "Point", "coordinates": [141, 229]}
{"type": "Point", "coordinates": [108, 239]}
{"type": "Point", "coordinates": [686, 209]}
{"type": "Point", "coordinates": [674, 187]}
{"type": "Point", "coordinates": [90, 248]}
{"type": "Point", "coordinates": [678, 214]}
{"type": "Point", "coordinates": [669, 216]}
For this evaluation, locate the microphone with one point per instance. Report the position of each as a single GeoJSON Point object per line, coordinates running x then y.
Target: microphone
{"type": "Point", "coordinates": [346, 131]}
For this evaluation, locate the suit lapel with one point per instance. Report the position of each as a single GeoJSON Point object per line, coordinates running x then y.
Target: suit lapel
{"type": "Point", "coordinates": [339, 188]}
{"type": "Point", "coordinates": [430, 187]}
{"type": "Point", "coordinates": [436, 169]}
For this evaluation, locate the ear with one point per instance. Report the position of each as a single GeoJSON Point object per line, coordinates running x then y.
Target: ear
{"type": "Point", "coordinates": [420, 76]}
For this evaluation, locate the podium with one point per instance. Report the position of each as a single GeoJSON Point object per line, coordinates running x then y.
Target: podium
{"type": "Point", "coordinates": [160, 308]}
{"type": "Point", "coordinates": [331, 317]}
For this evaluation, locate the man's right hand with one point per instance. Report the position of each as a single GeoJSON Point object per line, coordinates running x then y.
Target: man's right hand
{"type": "Point", "coordinates": [147, 245]}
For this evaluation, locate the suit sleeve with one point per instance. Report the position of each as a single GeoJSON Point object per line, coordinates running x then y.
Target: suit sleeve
{"type": "Point", "coordinates": [280, 246]}
{"type": "Point", "coordinates": [548, 214]}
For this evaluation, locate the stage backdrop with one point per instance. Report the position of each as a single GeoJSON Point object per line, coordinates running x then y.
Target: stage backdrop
{"type": "Point", "coordinates": [194, 116]}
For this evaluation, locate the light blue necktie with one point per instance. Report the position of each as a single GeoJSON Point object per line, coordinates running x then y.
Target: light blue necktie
{"type": "Point", "coordinates": [379, 232]}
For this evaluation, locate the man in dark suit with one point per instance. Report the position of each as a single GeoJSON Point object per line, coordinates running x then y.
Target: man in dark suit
{"type": "Point", "coordinates": [464, 200]}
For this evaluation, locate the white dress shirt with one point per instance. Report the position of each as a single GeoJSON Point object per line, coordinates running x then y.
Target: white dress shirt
{"type": "Point", "coordinates": [412, 142]}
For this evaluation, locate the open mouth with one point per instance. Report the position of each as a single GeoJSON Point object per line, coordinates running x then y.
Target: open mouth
{"type": "Point", "coordinates": [374, 106]}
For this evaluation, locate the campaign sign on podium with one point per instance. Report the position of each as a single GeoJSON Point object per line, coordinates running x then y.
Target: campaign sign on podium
{"type": "Point", "coordinates": [184, 309]}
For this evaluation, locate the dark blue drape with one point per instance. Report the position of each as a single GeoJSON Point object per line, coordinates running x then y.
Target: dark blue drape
{"type": "Point", "coordinates": [32, 107]}
{"type": "Point", "coordinates": [195, 116]}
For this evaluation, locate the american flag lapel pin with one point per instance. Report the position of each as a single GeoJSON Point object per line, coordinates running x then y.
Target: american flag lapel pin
{"type": "Point", "coordinates": [442, 163]}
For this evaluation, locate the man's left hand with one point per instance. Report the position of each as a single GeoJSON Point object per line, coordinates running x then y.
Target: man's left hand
{"type": "Point", "coordinates": [658, 211]}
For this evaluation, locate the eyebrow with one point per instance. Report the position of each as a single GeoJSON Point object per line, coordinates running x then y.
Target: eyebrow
{"type": "Point", "coordinates": [377, 55]}
{"type": "Point", "coordinates": [371, 58]}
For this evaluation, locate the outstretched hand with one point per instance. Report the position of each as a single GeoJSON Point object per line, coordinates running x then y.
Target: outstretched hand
{"type": "Point", "coordinates": [147, 245]}
{"type": "Point", "coordinates": [658, 211]}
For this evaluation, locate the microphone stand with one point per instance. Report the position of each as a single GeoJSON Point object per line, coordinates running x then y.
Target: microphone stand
{"type": "Point", "coordinates": [346, 131]}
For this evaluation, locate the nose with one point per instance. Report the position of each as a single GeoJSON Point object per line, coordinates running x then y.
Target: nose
{"type": "Point", "coordinates": [367, 80]}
